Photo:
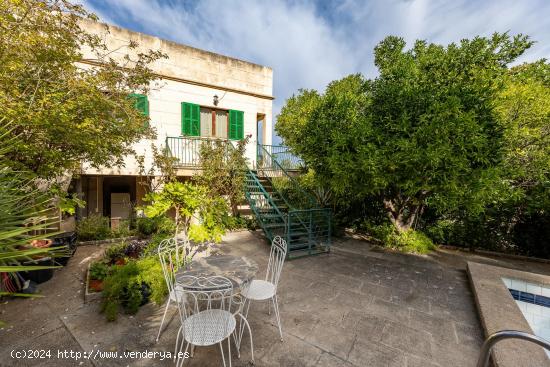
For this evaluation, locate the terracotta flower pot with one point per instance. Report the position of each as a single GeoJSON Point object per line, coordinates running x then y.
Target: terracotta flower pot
{"type": "Point", "coordinates": [96, 285]}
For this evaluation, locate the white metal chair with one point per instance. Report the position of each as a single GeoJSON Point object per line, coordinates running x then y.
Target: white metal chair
{"type": "Point", "coordinates": [261, 290]}
{"type": "Point", "coordinates": [172, 257]}
{"type": "Point", "coordinates": [207, 315]}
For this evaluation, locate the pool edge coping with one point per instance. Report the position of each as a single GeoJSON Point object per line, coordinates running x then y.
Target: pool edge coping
{"type": "Point", "coordinates": [492, 298]}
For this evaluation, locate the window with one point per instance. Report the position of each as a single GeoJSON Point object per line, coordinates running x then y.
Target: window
{"type": "Point", "coordinates": [220, 124]}
{"type": "Point", "coordinates": [208, 122]}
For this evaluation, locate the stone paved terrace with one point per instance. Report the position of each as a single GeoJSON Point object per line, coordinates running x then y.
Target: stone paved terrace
{"type": "Point", "coordinates": [357, 306]}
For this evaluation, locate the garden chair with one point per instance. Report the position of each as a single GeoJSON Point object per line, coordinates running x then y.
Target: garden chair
{"type": "Point", "coordinates": [261, 290]}
{"type": "Point", "coordinates": [172, 257]}
{"type": "Point", "coordinates": [208, 316]}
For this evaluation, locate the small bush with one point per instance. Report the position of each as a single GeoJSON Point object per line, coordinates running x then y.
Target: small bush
{"type": "Point", "coordinates": [410, 241]}
{"type": "Point", "coordinates": [146, 226]}
{"type": "Point", "coordinates": [123, 230]}
{"type": "Point", "coordinates": [115, 291]}
{"type": "Point", "coordinates": [150, 226]}
{"type": "Point", "coordinates": [115, 252]}
{"type": "Point", "coordinates": [166, 225]}
{"type": "Point", "coordinates": [240, 222]}
{"type": "Point", "coordinates": [406, 241]}
{"type": "Point", "coordinates": [443, 231]}
{"type": "Point", "coordinates": [130, 286]}
{"type": "Point", "coordinates": [93, 227]}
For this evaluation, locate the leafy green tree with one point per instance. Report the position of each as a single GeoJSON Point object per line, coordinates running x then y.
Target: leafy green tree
{"type": "Point", "coordinates": [64, 111]}
{"type": "Point", "coordinates": [198, 217]}
{"type": "Point", "coordinates": [222, 170]}
{"type": "Point", "coordinates": [424, 132]}
{"type": "Point", "coordinates": [523, 108]}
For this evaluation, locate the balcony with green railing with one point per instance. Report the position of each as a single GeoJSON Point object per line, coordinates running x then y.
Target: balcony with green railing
{"type": "Point", "coordinates": [186, 149]}
{"type": "Point", "coordinates": [268, 154]}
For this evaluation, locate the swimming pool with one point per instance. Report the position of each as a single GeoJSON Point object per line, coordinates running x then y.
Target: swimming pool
{"type": "Point", "coordinates": [534, 302]}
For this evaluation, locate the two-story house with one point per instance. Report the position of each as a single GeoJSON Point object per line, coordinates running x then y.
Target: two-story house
{"type": "Point", "coordinates": [199, 95]}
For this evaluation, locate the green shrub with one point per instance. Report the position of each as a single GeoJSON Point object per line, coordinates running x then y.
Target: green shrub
{"type": "Point", "coordinates": [132, 296]}
{"type": "Point", "coordinates": [240, 222]}
{"type": "Point", "coordinates": [151, 249]}
{"type": "Point", "coordinates": [166, 225]}
{"type": "Point", "coordinates": [151, 274]}
{"type": "Point", "coordinates": [123, 230]}
{"type": "Point", "coordinates": [99, 270]}
{"type": "Point", "coordinates": [115, 252]}
{"type": "Point", "coordinates": [406, 241]}
{"type": "Point", "coordinates": [443, 231]}
{"type": "Point", "coordinates": [93, 227]}
{"type": "Point", "coordinates": [114, 289]}
{"type": "Point", "coordinates": [149, 226]}
{"type": "Point", "coordinates": [410, 241]}
{"type": "Point", "coordinates": [129, 286]}
{"type": "Point", "coordinates": [146, 226]}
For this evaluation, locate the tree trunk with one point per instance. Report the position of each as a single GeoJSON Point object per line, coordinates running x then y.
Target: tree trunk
{"type": "Point", "coordinates": [234, 208]}
{"type": "Point", "coordinates": [401, 215]}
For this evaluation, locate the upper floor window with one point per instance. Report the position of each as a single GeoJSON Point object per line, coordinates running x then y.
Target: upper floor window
{"type": "Point", "coordinates": [141, 103]}
{"type": "Point", "coordinates": [208, 122]}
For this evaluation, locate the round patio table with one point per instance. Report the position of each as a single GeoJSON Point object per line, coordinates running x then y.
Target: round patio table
{"type": "Point", "coordinates": [238, 269]}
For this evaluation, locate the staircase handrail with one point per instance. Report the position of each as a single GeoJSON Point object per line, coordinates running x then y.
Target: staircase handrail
{"type": "Point", "coordinates": [258, 183]}
{"type": "Point", "coordinates": [295, 183]}
{"type": "Point", "coordinates": [266, 195]}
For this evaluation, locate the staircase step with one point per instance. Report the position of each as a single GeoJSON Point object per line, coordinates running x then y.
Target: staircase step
{"type": "Point", "coordinates": [271, 211]}
{"type": "Point", "coordinates": [274, 225]}
{"type": "Point", "coordinates": [271, 216]}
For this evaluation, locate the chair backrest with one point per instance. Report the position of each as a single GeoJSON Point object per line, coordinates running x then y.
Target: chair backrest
{"type": "Point", "coordinates": [202, 295]}
{"type": "Point", "coordinates": [172, 258]}
{"type": "Point", "coordinates": [277, 257]}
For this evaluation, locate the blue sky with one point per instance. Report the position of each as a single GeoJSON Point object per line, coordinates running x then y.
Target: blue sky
{"type": "Point", "coordinates": [310, 43]}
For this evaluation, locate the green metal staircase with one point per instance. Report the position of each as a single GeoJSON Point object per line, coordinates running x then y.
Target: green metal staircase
{"type": "Point", "coordinates": [283, 208]}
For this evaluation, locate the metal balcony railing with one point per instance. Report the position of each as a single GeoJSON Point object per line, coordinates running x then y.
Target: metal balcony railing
{"type": "Point", "coordinates": [186, 149]}
{"type": "Point", "coordinates": [280, 153]}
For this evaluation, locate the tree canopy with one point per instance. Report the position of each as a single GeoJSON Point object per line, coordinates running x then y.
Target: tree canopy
{"type": "Point", "coordinates": [444, 127]}
{"type": "Point", "coordinates": [66, 112]}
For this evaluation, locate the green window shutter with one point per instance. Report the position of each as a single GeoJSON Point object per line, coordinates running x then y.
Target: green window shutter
{"type": "Point", "coordinates": [236, 125]}
{"type": "Point", "coordinates": [190, 119]}
{"type": "Point", "coordinates": [141, 103]}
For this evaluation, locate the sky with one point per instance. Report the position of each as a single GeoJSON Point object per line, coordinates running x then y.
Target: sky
{"type": "Point", "coordinates": [310, 43]}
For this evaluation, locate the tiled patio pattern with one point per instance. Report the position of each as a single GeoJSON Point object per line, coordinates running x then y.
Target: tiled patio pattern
{"type": "Point", "coordinates": [354, 307]}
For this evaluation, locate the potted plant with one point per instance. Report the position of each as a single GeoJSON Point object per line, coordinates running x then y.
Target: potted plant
{"type": "Point", "coordinates": [98, 272]}
{"type": "Point", "coordinates": [115, 255]}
